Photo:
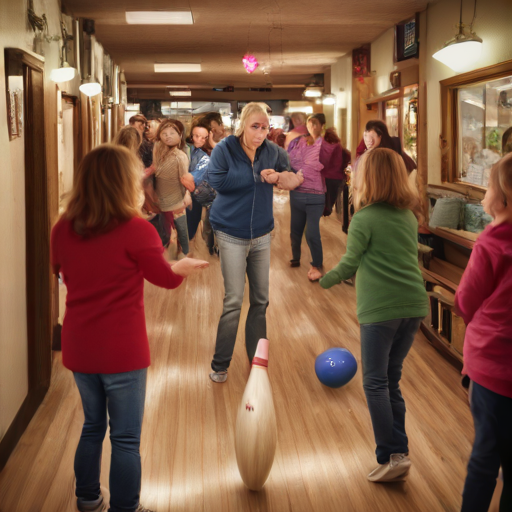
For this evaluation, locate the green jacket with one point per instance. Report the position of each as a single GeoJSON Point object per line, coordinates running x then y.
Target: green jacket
{"type": "Point", "coordinates": [382, 246]}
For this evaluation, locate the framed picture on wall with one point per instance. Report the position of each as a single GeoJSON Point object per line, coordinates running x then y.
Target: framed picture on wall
{"type": "Point", "coordinates": [406, 39]}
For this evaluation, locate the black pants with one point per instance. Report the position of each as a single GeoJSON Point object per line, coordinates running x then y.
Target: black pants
{"type": "Point", "coordinates": [492, 415]}
{"type": "Point", "coordinates": [331, 195]}
{"type": "Point", "coordinates": [193, 218]}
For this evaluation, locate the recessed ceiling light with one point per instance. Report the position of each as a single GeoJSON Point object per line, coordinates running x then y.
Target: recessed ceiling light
{"type": "Point", "coordinates": [159, 18]}
{"type": "Point", "coordinates": [177, 68]}
{"type": "Point", "coordinates": [177, 92]}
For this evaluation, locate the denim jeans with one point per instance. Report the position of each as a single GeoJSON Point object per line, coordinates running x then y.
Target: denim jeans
{"type": "Point", "coordinates": [307, 208]}
{"type": "Point", "coordinates": [384, 346]}
{"type": "Point", "coordinates": [122, 394]}
{"type": "Point", "coordinates": [492, 415]}
{"type": "Point", "coordinates": [239, 257]}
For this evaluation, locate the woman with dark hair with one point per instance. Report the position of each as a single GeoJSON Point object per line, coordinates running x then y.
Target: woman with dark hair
{"type": "Point", "coordinates": [213, 120]}
{"type": "Point", "coordinates": [318, 158]}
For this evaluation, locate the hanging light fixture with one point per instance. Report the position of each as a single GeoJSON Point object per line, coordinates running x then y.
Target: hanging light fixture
{"type": "Point", "coordinates": [65, 72]}
{"type": "Point", "coordinates": [250, 63]}
{"type": "Point", "coordinates": [461, 52]}
{"type": "Point", "coordinates": [329, 99]}
{"type": "Point", "coordinates": [90, 85]}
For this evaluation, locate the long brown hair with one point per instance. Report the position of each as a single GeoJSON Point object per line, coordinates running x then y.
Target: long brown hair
{"type": "Point", "coordinates": [129, 137]}
{"type": "Point", "coordinates": [107, 190]}
{"type": "Point", "coordinates": [382, 178]}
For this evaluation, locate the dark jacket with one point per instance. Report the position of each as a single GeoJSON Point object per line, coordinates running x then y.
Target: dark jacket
{"type": "Point", "coordinates": [243, 207]}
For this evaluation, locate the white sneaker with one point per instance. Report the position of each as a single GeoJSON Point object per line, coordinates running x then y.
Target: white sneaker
{"type": "Point", "coordinates": [396, 469]}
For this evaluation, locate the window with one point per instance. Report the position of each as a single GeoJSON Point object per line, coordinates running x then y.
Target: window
{"type": "Point", "coordinates": [476, 116]}
{"type": "Point", "coordinates": [484, 113]}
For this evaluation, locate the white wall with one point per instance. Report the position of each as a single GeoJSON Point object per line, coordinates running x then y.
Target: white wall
{"type": "Point", "coordinates": [341, 87]}
{"type": "Point", "coordinates": [493, 24]}
{"type": "Point", "coordinates": [15, 33]}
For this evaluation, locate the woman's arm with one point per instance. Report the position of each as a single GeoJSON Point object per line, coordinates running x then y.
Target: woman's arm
{"type": "Point", "coordinates": [359, 235]}
{"type": "Point", "coordinates": [476, 285]}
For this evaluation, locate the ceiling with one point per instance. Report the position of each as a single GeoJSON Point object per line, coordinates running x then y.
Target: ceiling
{"type": "Point", "coordinates": [292, 40]}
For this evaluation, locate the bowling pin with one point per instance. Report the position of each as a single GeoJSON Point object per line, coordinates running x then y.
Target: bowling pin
{"type": "Point", "coordinates": [256, 427]}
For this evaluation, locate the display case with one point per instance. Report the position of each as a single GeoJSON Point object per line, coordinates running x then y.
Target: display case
{"type": "Point", "coordinates": [477, 124]}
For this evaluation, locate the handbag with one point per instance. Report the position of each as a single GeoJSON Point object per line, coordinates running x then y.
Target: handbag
{"type": "Point", "coordinates": [204, 193]}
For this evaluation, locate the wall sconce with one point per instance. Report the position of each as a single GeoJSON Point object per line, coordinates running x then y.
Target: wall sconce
{"type": "Point", "coordinates": [90, 85]}
{"type": "Point", "coordinates": [463, 50]}
{"type": "Point", "coordinates": [65, 72]}
{"type": "Point", "coordinates": [329, 99]}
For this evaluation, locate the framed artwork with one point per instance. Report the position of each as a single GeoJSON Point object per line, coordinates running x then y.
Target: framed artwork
{"type": "Point", "coordinates": [406, 39]}
{"type": "Point", "coordinates": [361, 66]}
{"type": "Point", "coordinates": [15, 113]}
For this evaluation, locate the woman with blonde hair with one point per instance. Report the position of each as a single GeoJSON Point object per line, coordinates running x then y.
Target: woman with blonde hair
{"type": "Point", "coordinates": [243, 167]}
{"type": "Point", "coordinates": [173, 181]}
{"type": "Point", "coordinates": [382, 246]}
{"type": "Point", "coordinates": [104, 251]}
{"type": "Point", "coordinates": [299, 120]}
{"type": "Point", "coordinates": [129, 137]}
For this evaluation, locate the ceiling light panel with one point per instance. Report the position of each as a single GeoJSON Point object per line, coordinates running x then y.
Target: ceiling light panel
{"type": "Point", "coordinates": [159, 18]}
{"type": "Point", "coordinates": [177, 67]}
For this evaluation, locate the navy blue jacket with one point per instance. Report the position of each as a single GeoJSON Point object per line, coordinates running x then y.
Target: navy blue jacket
{"type": "Point", "coordinates": [243, 207]}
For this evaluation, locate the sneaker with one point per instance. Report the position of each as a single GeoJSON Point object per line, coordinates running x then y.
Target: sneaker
{"type": "Point", "coordinates": [396, 469]}
{"type": "Point", "coordinates": [91, 505]}
{"type": "Point", "coordinates": [219, 377]}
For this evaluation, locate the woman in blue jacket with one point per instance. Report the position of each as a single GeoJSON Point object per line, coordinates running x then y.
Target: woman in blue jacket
{"type": "Point", "coordinates": [243, 169]}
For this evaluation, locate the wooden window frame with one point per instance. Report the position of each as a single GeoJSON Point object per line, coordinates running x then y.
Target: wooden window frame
{"type": "Point", "coordinates": [449, 135]}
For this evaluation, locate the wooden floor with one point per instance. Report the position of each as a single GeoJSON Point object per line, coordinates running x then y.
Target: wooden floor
{"type": "Point", "coordinates": [325, 441]}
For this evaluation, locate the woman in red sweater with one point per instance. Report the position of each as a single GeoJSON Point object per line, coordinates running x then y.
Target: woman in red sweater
{"type": "Point", "coordinates": [483, 301]}
{"type": "Point", "coordinates": [104, 250]}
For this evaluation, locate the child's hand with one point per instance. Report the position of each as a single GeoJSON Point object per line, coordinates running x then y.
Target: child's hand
{"type": "Point", "coordinates": [188, 266]}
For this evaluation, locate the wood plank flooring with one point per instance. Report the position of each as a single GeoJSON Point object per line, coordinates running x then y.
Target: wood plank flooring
{"type": "Point", "coordinates": [325, 440]}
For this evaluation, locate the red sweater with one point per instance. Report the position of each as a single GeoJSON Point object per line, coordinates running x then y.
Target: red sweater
{"type": "Point", "coordinates": [104, 328]}
{"type": "Point", "coordinates": [483, 301]}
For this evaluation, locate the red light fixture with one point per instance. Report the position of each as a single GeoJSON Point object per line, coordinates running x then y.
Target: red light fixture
{"type": "Point", "coordinates": [250, 63]}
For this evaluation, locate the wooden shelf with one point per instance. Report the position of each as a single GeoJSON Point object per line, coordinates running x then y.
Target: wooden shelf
{"type": "Point", "coordinates": [452, 237]}
{"type": "Point", "coordinates": [441, 344]}
{"type": "Point", "coordinates": [430, 276]}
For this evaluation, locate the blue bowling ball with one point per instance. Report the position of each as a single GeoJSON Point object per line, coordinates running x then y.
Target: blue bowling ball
{"type": "Point", "coordinates": [335, 367]}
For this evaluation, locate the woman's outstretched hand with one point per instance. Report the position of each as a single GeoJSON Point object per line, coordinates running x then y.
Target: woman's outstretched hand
{"type": "Point", "coordinates": [289, 180]}
{"type": "Point", "coordinates": [269, 176]}
{"type": "Point", "coordinates": [188, 266]}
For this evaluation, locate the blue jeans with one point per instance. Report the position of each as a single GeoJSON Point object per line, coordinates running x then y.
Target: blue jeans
{"type": "Point", "coordinates": [239, 257]}
{"type": "Point", "coordinates": [122, 394]}
{"type": "Point", "coordinates": [492, 415]}
{"type": "Point", "coordinates": [384, 346]}
{"type": "Point", "coordinates": [306, 208]}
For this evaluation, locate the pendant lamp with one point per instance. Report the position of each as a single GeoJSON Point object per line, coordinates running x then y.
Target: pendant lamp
{"type": "Point", "coordinates": [461, 52]}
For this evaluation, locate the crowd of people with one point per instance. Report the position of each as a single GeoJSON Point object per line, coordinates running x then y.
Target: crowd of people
{"type": "Point", "coordinates": [153, 176]}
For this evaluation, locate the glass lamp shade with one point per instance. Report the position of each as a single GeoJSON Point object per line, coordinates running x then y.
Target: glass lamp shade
{"type": "Point", "coordinates": [329, 99]}
{"type": "Point", "coordinates": [459, 55]}
{"type": "Point", "coordinates": [90, 88]}
{"type": "Point", "coordinates": [63, 74]}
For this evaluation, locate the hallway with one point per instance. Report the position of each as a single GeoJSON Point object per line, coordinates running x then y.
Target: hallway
{"type": "Point", "coordinates": [325, 440]}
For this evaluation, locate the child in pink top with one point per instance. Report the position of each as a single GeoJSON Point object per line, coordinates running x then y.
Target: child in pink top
{"type": "Point", "coordinates": [483, 301]}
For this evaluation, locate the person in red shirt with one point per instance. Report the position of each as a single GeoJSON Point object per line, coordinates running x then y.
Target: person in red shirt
{"type": "Point", "coordinates": [104, 250]}
{"type": "Point", "coordinates": [483, 301]}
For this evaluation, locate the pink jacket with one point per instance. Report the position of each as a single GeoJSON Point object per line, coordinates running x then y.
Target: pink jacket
{"type": "Point", "coordinates": [483, 300]}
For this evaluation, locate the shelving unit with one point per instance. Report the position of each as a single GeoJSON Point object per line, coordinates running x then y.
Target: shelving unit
{"type": "Point", "coordinates": [445, 330]}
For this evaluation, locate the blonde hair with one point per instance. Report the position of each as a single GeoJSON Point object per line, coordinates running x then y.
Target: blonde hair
{"type": "Point", "coordinates": [129, 137]}
{"type": "Point", "coordinates": [382, 178]}
{"type": "Point", "coordinates": [501, 179]}
{"type": "Point", "coordinates": [106, 192]}
{"type": "Point", "coordinates": [249, 110]}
